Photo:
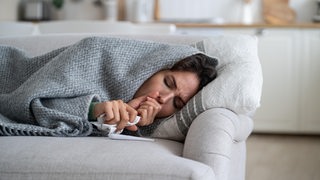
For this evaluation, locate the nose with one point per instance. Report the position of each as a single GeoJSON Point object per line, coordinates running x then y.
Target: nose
{"type": "Point", "coordinates": [163, 97]}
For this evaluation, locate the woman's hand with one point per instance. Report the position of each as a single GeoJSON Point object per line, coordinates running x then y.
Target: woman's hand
{"type": "Point", "coordinates": [117, 112]}
{"type": "Point", "coordinates": [147, 109]}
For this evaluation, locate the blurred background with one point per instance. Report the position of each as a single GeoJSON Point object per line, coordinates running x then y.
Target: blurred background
{"type": "Point", "coordinates": [285, 144]}
{"type": "Point", "coordinates": [210, 11]}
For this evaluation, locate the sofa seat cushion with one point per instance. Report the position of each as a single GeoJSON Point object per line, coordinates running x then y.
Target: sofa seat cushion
{"type": "Point", "coordinates": [96, 158]}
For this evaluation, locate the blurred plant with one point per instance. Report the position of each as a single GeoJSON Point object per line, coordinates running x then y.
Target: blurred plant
{"type": "Point", "coordinates": [58, 3]}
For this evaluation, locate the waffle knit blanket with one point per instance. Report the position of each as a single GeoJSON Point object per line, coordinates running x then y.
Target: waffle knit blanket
{"type": "Point", "coordinates": [50, 94]}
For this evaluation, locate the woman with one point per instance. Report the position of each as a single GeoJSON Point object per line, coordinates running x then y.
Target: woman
{"type": "Point", "coordinates": [161, 95]}
{"type": "Point", "coordinates": [52, 94]}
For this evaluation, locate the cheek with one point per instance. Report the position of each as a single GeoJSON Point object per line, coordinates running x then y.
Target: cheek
{"type": "Point", "coordinates": [166, 111]}
{"type": "Point", "coordinates": [150, 87]}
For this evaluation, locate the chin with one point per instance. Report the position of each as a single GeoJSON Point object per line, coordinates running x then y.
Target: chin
{"type": "Point", "coordinates": [163, 116]}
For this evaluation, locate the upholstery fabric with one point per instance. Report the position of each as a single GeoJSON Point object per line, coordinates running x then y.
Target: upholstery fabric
{"type": "Point", "coordinates": [239, 93]}
{"type": "Point", "coordinates": [213, 143]}
{"type": "Point", "coordinates": [54, 90]}
{"type": "Point", "coordinates": [91, 157]}
{"type": "Point", "coordinates": [237, 87]}
{"type": "Point", "coordinates": [239, 83]}
{"type": "Point", "coordinates": [96, 158]}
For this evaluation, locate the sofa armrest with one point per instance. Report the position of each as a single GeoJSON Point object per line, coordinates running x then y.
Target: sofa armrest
{"type": "Point", "coordinates": [212, 136]}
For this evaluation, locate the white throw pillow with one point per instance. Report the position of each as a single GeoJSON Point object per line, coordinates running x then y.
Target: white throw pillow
{"type": "Point", "coordinates": [237, 87]}
{"type": "Point", "coordinates": [239, 83]}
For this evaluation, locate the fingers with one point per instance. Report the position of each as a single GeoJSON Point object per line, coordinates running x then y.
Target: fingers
{"type": "Point", "coordinates": [148, 111]}
{"type": "Point", "coordinates": [117, 112]}
{"type": "Point", "coordinates": [132, 113]}
{"type": "Point", "coordinates": [132, 128]}
{"type": "Point", "coordinates": [120, 113]}
{"type": "Point", "coordinates": [135, 103]}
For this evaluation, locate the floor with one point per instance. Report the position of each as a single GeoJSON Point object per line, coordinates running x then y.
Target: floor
{"type": "Point", "coordinates": [283, 157]}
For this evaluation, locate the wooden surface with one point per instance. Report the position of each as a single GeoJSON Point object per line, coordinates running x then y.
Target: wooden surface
{"type": "Point", "coordinates": [255, 25]}
{"type": "Point", "coordinates": [278, 12]}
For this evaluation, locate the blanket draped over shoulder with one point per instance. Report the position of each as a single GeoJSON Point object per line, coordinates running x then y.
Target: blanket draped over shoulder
{"type": "Point", "coordinates": [50, 94]}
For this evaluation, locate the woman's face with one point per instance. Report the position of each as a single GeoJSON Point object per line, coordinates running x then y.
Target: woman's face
{"type": "Point", "coordinates": [171, 89]}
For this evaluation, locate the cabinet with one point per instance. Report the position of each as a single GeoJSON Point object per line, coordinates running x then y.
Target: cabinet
{"type": "Point", "coordinates": [290, 59]}
{"type": "Point", "coordinates": [310, 81]}
{"type": "Point", "coordinates": [280, 63]}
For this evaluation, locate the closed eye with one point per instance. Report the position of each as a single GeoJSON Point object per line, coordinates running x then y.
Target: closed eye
{"type": "Point", "coordinates": [169, 82]}
{"type": "Point", "coordinates": [178, 103]}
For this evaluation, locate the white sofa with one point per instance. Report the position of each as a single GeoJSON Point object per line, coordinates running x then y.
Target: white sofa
{"type": "Point", "coordinates": [214, 148]}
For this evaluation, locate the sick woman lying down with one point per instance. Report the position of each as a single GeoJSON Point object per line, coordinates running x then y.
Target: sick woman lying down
{"type": "Point", "coordinates": [62, 92]}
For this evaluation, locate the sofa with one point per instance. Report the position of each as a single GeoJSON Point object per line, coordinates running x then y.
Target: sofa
{"type": "Point", "coordinates": [214, 147]}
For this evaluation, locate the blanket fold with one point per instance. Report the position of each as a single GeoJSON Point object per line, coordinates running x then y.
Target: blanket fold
{"type": "Point", "coordinates": [50, 94]}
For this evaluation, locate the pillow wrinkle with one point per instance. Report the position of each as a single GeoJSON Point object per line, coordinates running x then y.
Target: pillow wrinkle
{"type": "Point", "coordinates": [237, 87]}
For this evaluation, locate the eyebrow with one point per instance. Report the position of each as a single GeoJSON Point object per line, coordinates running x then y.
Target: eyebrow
{"type": "Point", "coordinates": [175, 85]}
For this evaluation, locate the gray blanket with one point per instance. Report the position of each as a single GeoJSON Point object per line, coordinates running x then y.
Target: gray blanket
{"type": "Point", "coordinates": [50, 94]}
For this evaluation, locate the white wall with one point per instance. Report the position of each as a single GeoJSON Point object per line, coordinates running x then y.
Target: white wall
{"type": "Point", "coordinates": [81, 10]}
{"type": "Point", "coordinates": [305, 9]}
{"type": "Point", "coordinates": [229, 10]}
{"type": "Point", "coordinates": [8, 10]}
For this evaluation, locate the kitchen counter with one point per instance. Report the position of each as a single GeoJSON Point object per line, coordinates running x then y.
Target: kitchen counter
{"type": "Point", "coordinates": [256, 25]}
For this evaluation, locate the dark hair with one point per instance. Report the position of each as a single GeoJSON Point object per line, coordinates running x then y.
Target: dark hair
{"type": "Point", "coordinates": [204, 66]}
